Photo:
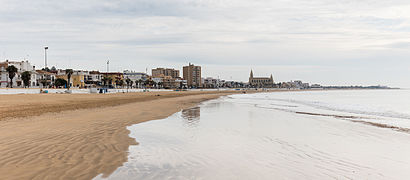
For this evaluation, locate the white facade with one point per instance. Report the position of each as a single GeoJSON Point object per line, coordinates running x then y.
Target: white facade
{"type": "Point", "coordinates": [210, 82]}
{"type": "Point", "coordinates": [42, 78]}
{"type": "Point", "coordinates": [4, 77]}
{"type": "Point", "coordinates": [21, 67]}
{"type": "Point", "coordinates": [157, 80]}
{"type": "Point", "coordinates": [95, 77]}
{"type": "Point", "coordinates": [135, 76]}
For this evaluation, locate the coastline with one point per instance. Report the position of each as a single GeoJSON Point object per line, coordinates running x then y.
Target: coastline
{"type": "Point", "coordinates": [78, 136]}
{"type": "Point", "coordinates": [27, 105]}
{"type": "Point", "coordinates": [266, 132]}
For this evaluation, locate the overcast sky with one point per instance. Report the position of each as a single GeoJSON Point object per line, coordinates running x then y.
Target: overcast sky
{"type": "Point", "coordinates": [331, 42]}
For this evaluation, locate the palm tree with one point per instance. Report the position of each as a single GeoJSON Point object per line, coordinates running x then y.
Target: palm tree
{"type": "Point", "coordinates": [12, 72]}
{"type": "Point", "coordinates": [69, 72]}
{"type": "Point", "coordinates": [128, 81]}
{"type": "Point", "coordinates": [131, 83]}
{"type": "Point", "coordinates": [160, 85]}
{"type": "Point", "coordinates": [43, 82]}
{"type": "Point", "coordinates": [25, 76]}
{"type": "Point", "coordinates": [60, 82]}
{"type": "Point", "coordinates": [121, 83]}
{"type": "Point", "coordinates": [154, 84]}
{"type": "Point", "coordinates": [117, 83]}
{"type": "Point", "coordinates": [146, 83]}
{"type": "Point", "coordinates": [107, 80]}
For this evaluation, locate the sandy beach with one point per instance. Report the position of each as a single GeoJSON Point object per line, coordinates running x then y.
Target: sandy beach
{"type": "Point", "coordinates": [282, 135]}
{"type": "Point", "coordinates": [78, 136]}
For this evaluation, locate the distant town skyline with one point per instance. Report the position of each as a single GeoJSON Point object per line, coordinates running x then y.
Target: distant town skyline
{"type": "Point", "coordinates": [320, 41]}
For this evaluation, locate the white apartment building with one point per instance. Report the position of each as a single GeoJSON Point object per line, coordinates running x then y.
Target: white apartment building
{"type": "Point", "coordinates": [135, 76]}
{"type": "Point", "coordinates": [210, 82]}
{"type": "Point", "coordinates": [93, 77]}
{"type": "Point", "coordinates": [21, 66]}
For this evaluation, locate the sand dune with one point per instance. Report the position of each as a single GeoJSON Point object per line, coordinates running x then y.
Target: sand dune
{"type": "Point", "coordinates": [58, 136]}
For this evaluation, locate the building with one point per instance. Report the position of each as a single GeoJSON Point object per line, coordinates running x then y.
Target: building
{"type": "Point", "coordinates": [114, 79]}
{"type": "Point", "coordinates": [316, 86]}
{"type": "Point", "coordinates": [158, 72]}
{"type": "Point", "coordinates": [43, 78]}
{"type": "Point", "coordinates": [21, 66]}
{"type": "Point", "coordinates": [210, 82]}
{"type": "Point", "coordinates": [298, 84]}
{"type": "Point", "coordinates": [77, 79]}
{"type": "Point", "coordinates": [166, 78]}
{"type": "Point", "coordinates": [261, 82]}
{"type": "Point", "coordinates": [136, 77]}
{"type": "Point", "coordinates": [4, 78]}
{"type": "Point", "coordinates": [233, 84]}
{"type": "Point", "coordinates": [192, 74]}
{"type": "Point", "coordinates": [93, 78]}
{"type": "Point", "coordinates": [173, 83]}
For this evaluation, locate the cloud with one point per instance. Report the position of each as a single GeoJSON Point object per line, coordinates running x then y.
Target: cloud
{"type": "Point", "coordinates": [226, 32]}
{"type": "Point", "coordinates": [399, 45]}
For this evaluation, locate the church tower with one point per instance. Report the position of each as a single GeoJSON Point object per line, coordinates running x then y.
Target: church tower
{"type": "Point", "coordinates": [251, 77]}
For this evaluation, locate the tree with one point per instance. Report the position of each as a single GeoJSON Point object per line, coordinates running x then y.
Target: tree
{"type": "Point", "coordinates": [46, 69]}
{"type": "Point", "coordinates": [154, 84]}
{"type": "Point", "coordinates": [26, 76]}
{"type": "Point", "coordinates": [43, 82]}
{"type": "Point", "coordinates": [117, 83]}
{"type": "Point", "coordinates": [128, 81]}
{"type": "Point", "coordinates": [140, 81]}
{"type": "Point", "coordinates": [12, 72]}
{"type": "Point", "coordinates": [107, 80]}
{"type": "Point", "coordinates": [60, 82]}
{"type": "Point", "coordinates": [145, 83]}
{"type": "Point", "coordinates": [69, 72]}
{"type": "Point", "coordinates": [131, 83]}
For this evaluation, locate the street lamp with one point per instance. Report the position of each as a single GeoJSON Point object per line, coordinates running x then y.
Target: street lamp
{"type": "Point", "coordinates": [108, 64]}
{"type": "Point", "coordinates": [106, 77]}
{"type": "Point", "coordinates": [45, 57]}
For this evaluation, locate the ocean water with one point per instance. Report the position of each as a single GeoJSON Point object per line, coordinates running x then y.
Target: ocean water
{"type": "Point", "coordinates": [350, 134]}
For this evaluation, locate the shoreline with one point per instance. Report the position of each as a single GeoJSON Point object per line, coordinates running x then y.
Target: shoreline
{"type": "Point", "coordinates": [69, 142]}
{"type": "Point", "coordinates": [80, 136]}
{"type": "Point", "coordinates": [29, 105]}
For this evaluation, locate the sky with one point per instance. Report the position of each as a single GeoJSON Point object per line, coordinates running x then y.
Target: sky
{"type": "Point", "coordinates": [331, 42]}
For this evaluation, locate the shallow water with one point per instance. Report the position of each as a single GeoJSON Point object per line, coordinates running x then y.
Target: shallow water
{"type": "Point", "coordinates": [286, 135]}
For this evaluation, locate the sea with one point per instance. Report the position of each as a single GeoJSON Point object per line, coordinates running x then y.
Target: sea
{"type": "Point", "coordinates": [333, 134]}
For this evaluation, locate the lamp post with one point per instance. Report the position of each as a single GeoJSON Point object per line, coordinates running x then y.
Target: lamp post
{"type": "Point", "coordinates": [45, 57]}
{"type": "Point", "coordinates": [106, 77]}
{"type": "Point", "coordinates": [108, 63]}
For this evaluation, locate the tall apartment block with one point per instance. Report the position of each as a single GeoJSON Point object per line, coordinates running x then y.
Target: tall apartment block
{"type": "Point", "coordinates": [158, 72]}
{"type": "Point", "coordinates": [192, 74]}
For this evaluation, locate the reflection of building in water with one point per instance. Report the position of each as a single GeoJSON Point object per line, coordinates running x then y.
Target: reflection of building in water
{"type": "Point", "coordinates": [191, 116]}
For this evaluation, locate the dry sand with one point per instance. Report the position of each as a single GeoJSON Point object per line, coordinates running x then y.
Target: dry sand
{"type": "Point", "coordinates": [78, 136]}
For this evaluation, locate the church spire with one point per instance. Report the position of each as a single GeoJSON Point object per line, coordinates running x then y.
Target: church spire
{"type": "Point", "coordinates": [251, 76]}
{"type": "Point", "coordinates": [271, 77]}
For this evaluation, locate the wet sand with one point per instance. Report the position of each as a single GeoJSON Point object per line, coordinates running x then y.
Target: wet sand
{"type": "Point", "coordinates": [78, 136]}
